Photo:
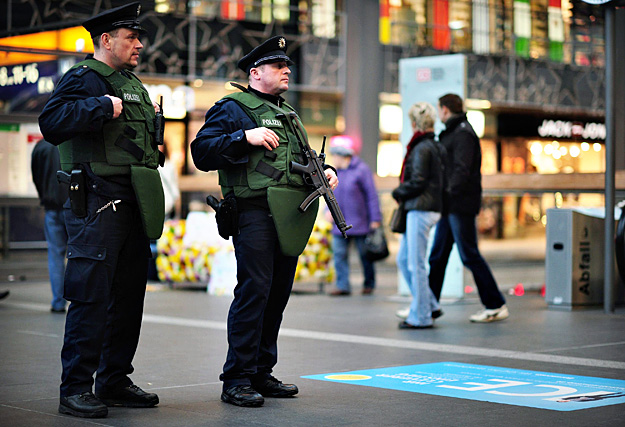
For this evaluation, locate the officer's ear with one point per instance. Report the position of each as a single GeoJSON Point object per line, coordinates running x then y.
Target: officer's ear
{"type": "Point", "coordinates": [105, 40]}
{"type": "Point", "coordinates": [255, 73]}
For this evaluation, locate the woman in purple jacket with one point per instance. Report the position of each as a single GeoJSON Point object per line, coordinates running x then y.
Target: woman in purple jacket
{"type": "Point", "coordinates": [358, 200]}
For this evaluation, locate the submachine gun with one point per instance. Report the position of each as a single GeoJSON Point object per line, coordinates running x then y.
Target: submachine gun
{"type": "Point", "coordinates": [315, 176]}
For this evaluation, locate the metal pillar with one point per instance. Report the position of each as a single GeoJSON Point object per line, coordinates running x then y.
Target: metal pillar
{"type": "Point", "coordinates": [608, 285]}
{"type": "Point", "coordinates": [364, 65]}
{"type": "Point", "coordinates": [618, 61]}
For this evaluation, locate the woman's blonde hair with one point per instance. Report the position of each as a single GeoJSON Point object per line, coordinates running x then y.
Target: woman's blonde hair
{"type": "Point", "coordinates": [422, 115]}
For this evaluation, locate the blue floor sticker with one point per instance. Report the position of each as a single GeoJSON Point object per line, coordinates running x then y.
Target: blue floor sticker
{"type": "Point", "coordinates": [557, 392]}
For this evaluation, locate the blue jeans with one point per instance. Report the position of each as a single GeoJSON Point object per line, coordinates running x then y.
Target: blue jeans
{"type": "Point", "coordinates": [461, 230]}
{"type": "Point", "coordinates": [411, 262]}
{"type": "Point", "coordinates": [340, 246]}
{"type": "Point", "coordinates": [56, 236]}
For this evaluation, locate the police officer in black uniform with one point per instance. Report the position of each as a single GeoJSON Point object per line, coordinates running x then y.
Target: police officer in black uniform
{"type": "Point", "coordinates": [102, 120]}
{"type": "Point", "coordinates": [250, 137]}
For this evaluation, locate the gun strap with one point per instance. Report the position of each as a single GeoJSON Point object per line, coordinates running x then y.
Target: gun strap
{"type": "Point", "coordinates": [238, 86]}
{"type": "Point", "coordinates": [331, 168]}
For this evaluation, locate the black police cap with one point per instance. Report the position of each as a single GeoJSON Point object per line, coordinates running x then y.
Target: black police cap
{"type": "Point", "coordinates": [272, 50]}
{"type": "Point", "coordinates": [109, 20]}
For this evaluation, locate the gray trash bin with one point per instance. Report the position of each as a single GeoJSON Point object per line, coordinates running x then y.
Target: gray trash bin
{"type": "Point", "coordinates": [574, 259]}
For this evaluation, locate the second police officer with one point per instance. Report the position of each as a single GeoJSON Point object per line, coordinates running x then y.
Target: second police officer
{"type": "Point", "coordinates": [101, 117]}
{"type": "Point", "coordinates": [250, 137]}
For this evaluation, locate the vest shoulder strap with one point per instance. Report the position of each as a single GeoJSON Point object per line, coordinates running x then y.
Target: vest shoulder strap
{"type": "Point", "coordinates": [134, 76]}
{"type": "Point", "coordinates": [245, 98]}
{"type": "Point", "coordinates": [250, 101]}
{"type": "Point", "coordinates": [95, 65]}
{"type": "Point", "coordinates": [113, 79]}
{"type": "Point", "coordinates": [287, 107]}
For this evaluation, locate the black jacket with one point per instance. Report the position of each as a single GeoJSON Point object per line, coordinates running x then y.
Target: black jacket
{"type": "Point", "coordinates": [463, 192]}
{"type": "Point", "coordinates": [44, 164]}
{"type": "Point", "coordinates": [422, 188]}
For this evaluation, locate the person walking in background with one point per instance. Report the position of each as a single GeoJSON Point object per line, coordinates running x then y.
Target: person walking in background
{"type": "Point", "coordinates": [358, 200]}
{"type": "Point", "coordinates": [421, 192]}
{"type": "Point", "coordinates": [462, 199]}
{"type": "Point", "coordinates": [251, 137]}
{"type": "Point", "coordinates": [101, 117]}
{"type": "Point", "coordinates": [52, 195]}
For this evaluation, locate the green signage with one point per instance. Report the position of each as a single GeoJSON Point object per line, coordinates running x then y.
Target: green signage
{"type": "Point", "coordinates": [9, 127]}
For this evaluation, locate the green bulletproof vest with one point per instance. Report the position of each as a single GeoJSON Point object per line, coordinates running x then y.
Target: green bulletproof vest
{"type": "Point", "coordinates": [265, 168]}
{"type": "Point", "coordinates": [124, 141]}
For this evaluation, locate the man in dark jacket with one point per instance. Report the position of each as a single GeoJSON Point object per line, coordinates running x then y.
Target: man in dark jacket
{"type": "Point", "coordinates": [462, 198]}
{"type": "Point", "coordinates": [52, 195]}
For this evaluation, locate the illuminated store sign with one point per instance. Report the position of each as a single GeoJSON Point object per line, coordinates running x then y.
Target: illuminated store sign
{"type": "Point", "coordinates": [32, 79]}
{"type": "Point", "coordinates": [565, 129]}
{"type": "Point", "coordinates": [540, 127]}
{"type": "Point", "coordinates": [19, 74]}
{"type": "Point", "coordinates": [44, 46]}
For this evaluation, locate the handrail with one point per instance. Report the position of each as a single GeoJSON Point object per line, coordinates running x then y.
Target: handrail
{"type": "Point", "coordinates": [497, 183]}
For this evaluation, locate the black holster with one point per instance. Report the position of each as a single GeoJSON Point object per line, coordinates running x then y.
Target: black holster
{"type": "Point", "coordinates": [226, 215]}
{"type": "Point", "coordinates": [77, 181]}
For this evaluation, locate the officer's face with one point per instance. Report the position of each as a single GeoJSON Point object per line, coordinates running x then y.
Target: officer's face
{"type": "Point", "coordinates": [273, 78]}
{"type": "Point", "coordinates": [125, 47]}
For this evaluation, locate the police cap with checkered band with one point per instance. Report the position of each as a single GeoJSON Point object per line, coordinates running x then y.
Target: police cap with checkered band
{"type": "Point", "coordinates": [272, 50]}
{"type": "Point", "coordinates": [119, 17]}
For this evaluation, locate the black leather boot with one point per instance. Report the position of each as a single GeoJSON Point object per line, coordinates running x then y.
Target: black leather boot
{"type": "Point", "coordinates": [131, 397]}
{"type": "Point", "coordinates": [271, 387]}
{"type": "Point", "coordinates": [242, 395]}
{"type": "Point", "coordinates": [84, 405]}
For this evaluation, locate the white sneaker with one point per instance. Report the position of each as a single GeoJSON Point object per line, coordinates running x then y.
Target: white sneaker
{"type": "Point", "coordinates": [486, 315]}
{"type": "Point", "coordinates": [403, 313]}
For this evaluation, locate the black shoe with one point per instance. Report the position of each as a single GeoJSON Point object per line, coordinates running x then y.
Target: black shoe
{"type": "Point", "coordinates": [436, 314]}
{"type": "Point", "coordinates": [4, 294]}
{"type": "Point", "coordinates": [242, 395]}
{"type": "Point", "coordinates": [84, 405]}
{"type": "Point", "coordinates": [406, 325]}
{"type": "Point", "coordinates": [57, 310]}
{"type": "Point", "coordinates": [130, 397]}
{"type": "Point", "coordinates": [271, 387]}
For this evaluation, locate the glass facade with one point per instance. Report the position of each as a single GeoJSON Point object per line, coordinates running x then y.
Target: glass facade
{"type": "Point", "coordinates": [562, 31]}
{"type": "Point", "coordinates": [319, 13]}
{"type": "Point", "coordinates": [567, 31]}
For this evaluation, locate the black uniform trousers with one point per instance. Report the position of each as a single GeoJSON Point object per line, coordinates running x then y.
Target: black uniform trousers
{"type": "Point", "coordinates": [264, 282]}
{"type": "Point", "coordinates": [105, 281]}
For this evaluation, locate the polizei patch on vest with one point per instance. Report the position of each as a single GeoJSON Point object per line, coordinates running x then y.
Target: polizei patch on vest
{"type": "Point", "coordinates": [132, 97]}
{"type": "Point", "coordinates": [271, 122]}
